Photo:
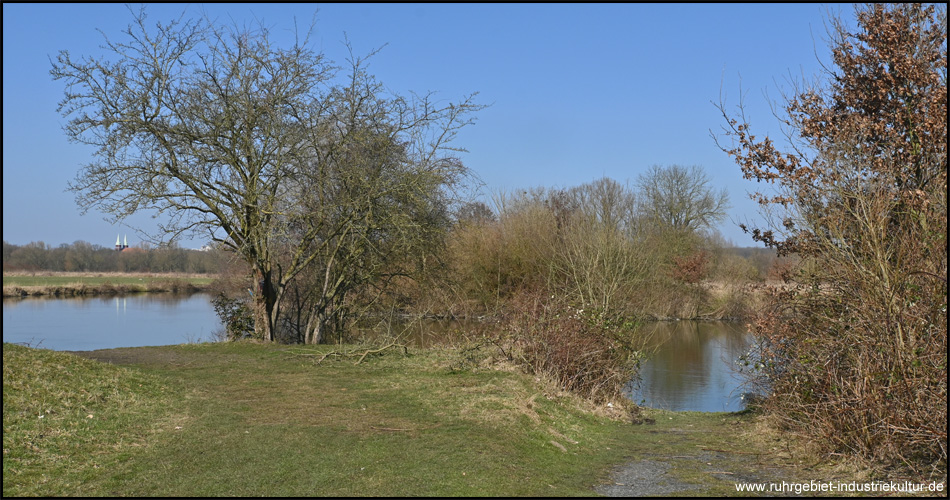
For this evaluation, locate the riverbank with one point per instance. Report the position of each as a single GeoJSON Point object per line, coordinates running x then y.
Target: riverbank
{"type": "Point", "coordinates": [65, 284]}
{"type": "Point", "coordinates": [249, 419]}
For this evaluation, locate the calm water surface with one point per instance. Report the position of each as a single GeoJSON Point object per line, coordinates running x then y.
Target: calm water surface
{"type": "Point", "coordinates": [83, 324]}
{"type": "Point", "coordinates": [693, 368]}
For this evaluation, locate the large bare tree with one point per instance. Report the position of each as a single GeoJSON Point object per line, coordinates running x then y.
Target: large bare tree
{"type": "Point", "coordinates": [228, 135]}
{"type": "Point", "coordinates": [681, 198]}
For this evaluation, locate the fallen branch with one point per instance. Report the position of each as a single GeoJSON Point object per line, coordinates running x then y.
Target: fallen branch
{"type": "Point", "coordinates": [322, 356]}
{"type": "Point", "coordinates": [405, 350]}
{"type": "Point", "coordinates": [344, 353]}
{"type": "Point", "coordinates": [558, 445]}
{"type": "Point", "coordinates": [396, 429]}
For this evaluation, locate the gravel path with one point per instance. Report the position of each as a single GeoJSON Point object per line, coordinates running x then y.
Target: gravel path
{"type": "Point", "coordinates": [643, 478]}
{"type": "Point", "coordinates": [708, 471]}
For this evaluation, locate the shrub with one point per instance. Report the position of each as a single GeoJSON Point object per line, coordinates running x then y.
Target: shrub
{"type": "Point", "coordinates": [856, 339]}
{"type": "Point", "coordinates": [237, 317]}
{"type": "Point", "coordinates": [583, 352]}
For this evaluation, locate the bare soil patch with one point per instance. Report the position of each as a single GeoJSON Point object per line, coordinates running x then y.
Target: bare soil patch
{"type": "Point", "coordinates": [140, 356]}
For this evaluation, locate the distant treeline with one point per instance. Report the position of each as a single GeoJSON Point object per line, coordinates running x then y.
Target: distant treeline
{"type": "Point", "coordinates": [82, 256]}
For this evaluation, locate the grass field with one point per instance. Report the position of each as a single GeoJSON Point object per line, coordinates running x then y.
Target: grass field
{"type": "Point", "coordinates": [71, 284]}
{"type": "Point", "coordinates": [247, 419]}
{"type": "Point", "coordinates": [95, 279]}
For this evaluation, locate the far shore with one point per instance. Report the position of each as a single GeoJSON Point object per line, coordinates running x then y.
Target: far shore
{"type": "Point", "coordinates": [71, 284]}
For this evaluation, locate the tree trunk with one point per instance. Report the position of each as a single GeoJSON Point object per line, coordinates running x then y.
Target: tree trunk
{"type": "Point", "coordinates": [319, 327]}
{"type": "Point", "coordinates": [265, 305]}
{"type": "Point", "coordinates": [316, 334]}
{"type": "Point", "coordinates": [313, 332]}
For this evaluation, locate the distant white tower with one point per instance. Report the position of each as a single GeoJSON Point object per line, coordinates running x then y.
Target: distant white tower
{"type": "Point", "coordinates": [121, 246]}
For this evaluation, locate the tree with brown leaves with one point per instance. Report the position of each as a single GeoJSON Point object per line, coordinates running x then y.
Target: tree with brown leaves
{"type": "Point", "coordinates": [856, 340]}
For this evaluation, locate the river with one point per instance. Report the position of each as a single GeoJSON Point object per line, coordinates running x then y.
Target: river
{"type": "Point", "coordinates": [89, 323]}
{"type": "Point", "coordinates": [693, 367]}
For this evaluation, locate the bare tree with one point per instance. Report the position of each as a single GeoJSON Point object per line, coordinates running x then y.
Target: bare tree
{"type": "Point", "coordinates": [33, 256]}
{"type": "Point", "coordinates": [681, 198]}
{"type": "Point", "coordinates": [598, 255]}
{"type": "Point", "coordinates": [608, 202]}
{"type": "Point", "coordinates": [220, 130]}
{"type": "Point", "coordinates": [475, 212]}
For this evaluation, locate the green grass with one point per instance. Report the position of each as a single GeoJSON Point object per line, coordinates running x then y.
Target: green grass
{"type": "Point", "coordinates": [67, 420]}
{"type": "Point", "coordinates": [91, 280]}
{"type": "Point", "coordinates": [247, 419]}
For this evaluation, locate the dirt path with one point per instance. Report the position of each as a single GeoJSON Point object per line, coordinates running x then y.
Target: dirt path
{"type": "Point", "coordinates": [703, 454]}
{"type": "Point", "coordinates": [138, 355]}
{"type": "Point", "coordinates": [657, 477]}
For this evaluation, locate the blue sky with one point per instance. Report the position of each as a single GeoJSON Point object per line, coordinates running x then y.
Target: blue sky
{"type": "Point", "coordinates": [577, 91]}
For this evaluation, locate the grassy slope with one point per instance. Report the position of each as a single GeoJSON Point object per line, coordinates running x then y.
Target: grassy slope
{"type": "Point", "coordinates": [244, 419]}
{"type": "Point", "coordinates": [67, 420]}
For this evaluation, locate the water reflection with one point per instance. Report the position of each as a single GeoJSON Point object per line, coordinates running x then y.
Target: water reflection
{"type": "Point", "coordinates": [88, 323]}
{"type": "Point", "coordinates": [693, 367]}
